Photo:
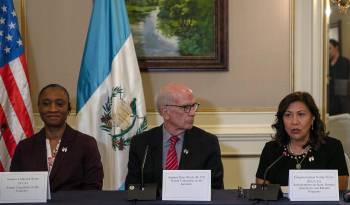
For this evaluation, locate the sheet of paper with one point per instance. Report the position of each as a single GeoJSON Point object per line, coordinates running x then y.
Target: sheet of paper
{"type": "Point", "coordinates": [16, 187]}
{"type": "Point", "coordinates": [313, 185]}
{"type": "Point", "coordinates": [186, 185]}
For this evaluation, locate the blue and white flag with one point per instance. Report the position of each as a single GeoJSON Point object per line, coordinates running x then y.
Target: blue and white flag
{"type": "Point", "coordinates": [110, 100]}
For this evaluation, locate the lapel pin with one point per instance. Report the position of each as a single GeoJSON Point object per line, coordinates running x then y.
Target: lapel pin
{"type": "Point", "coordinates": [64, 149]}
{"type": "Point", "coordinates": [186, 151]}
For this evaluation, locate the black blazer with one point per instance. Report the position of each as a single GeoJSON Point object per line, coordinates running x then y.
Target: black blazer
{"type": "Point", "coordinates": [79, 168]}
{"type": "Point", "coordinates": [203, 154]}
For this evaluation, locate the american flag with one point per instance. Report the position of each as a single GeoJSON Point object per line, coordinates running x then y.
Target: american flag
{"type": "Point", "coordinates": [16, 115]}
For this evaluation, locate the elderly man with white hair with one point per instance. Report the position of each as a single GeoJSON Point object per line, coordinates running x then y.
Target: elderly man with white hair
{"type": "Point", "coordinates": [176, 144]}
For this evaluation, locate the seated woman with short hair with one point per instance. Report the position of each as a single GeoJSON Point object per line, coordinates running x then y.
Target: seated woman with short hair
{"type": "Point", "coordinates": [71, 158]}
{"type": "Point", "coordinates": [301, 139]}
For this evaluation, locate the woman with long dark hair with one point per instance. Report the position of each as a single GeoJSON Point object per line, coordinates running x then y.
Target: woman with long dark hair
{"type": "Point", "coordinates": [302, 142]}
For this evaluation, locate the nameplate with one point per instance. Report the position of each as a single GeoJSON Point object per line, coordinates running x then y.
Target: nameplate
{"type": "Point", "coordinates": [23, 187]}
{"type": "Point", "coordinates": [186, 185]}
{"type": "Point", "coordinates": [313, 185]}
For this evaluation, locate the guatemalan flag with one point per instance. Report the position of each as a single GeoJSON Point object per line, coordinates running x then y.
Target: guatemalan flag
{"type": "Point", "coordinates": [16, 115]}
{"type": "Point", "coordinates": [110, 100]}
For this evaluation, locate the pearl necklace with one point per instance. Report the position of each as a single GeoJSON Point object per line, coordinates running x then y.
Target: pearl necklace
{"type": "Point", "coordinates": [298, 158]}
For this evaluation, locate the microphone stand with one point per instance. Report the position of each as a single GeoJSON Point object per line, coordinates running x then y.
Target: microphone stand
{"type": "Point", "coordinates": [142, 187]}
{"type": "Point", "coordinates": [264, 191]}
{"type": "Point", "coordinates": [269, 167]}
{"type": "Point", "coordinates": [142, 192]}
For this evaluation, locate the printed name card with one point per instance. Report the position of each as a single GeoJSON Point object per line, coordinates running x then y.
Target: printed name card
{"type": "Point", "coordinates": [23, 187]}
{"type": "Point", "coordinates": [186, 185]}
{"type": "Point", "coordinates": [313, 185]}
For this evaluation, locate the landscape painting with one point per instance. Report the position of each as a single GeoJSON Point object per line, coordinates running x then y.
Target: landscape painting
{"type": "Point", "coordinates": [172, 28]}
{"type": "Point", "coordinates": [179, 34]}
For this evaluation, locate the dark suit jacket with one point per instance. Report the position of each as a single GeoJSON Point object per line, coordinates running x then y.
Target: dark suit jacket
{"type": "Point", "coordinates": [79, 168]}
{"type": "Point", "coordinates": [203, 153]}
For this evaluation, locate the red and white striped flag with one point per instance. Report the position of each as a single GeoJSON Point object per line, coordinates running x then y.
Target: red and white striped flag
{"type": "Point", "coordinates": [16, 115]}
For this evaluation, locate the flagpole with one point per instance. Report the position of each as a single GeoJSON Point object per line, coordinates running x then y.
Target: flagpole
{"type": "Point", "coordinates": [23, 26]}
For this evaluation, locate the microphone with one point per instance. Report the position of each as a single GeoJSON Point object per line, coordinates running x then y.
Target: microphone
{"type": "Point", "coordinates": [142, 191]}
{"type": "Point", "coordinates": [266, 191]}
{"type": "Point", "coordinates": [143, 167]}
{"type": "Point", "coordinates": [273, 164]}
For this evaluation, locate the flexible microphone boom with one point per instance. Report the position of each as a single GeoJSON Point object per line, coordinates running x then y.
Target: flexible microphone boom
{"type": "Point", "coordinates": [143, 191]}
{"type": "Point", "coordinates": [271, 165]}
{"type": "Point", "coordinates": [266, 191]}
{"type": "Point", "coordinates": [143, 167]}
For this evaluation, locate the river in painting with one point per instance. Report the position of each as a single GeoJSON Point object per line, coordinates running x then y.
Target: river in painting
{"type": "Point", "coordinates": [148, 38]}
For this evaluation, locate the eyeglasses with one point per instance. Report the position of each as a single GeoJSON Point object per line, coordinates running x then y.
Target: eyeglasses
{"type": "Point", "coordinates": [187, 108]}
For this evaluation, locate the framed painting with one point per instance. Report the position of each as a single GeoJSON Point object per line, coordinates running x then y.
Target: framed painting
{"type": "Point", "coordinates": [172, 35]}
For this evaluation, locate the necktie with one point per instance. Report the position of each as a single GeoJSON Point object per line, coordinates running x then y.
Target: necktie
{"type": "Point", "coordinates": [171, 158]}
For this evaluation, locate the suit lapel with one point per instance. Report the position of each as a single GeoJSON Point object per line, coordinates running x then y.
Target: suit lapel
{"type": "Point", "coordinates": [41, 152]}
{"type": "Point", "coordinates": [61, 156]}
{"type": "Point", "coordinates": [157, 152]}
{"type": "Point", "coordinates": [187, 147]}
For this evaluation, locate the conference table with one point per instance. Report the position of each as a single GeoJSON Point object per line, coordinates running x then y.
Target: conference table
{"type": "Point", "coordinates": [219, 197]}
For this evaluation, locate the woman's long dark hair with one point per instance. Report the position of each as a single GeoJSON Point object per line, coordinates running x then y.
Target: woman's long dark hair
{"type": "Point", "coordinates": [317, 132]}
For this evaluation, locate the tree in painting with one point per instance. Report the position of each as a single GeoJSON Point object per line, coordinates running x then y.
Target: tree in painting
{"type": "Point", "coordinates": [172, 27]}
